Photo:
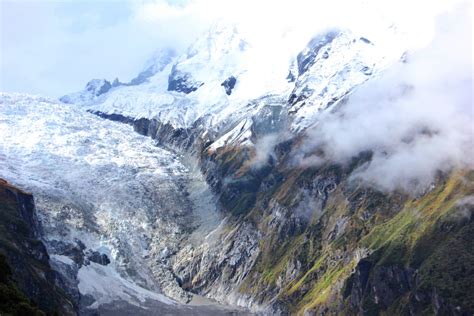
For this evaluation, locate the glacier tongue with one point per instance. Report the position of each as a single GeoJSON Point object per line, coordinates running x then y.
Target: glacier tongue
{"type": "Point", "coordinates": [103, 193]}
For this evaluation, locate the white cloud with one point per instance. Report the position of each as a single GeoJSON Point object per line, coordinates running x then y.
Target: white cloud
{"type": "Point", "coordinates": [54, 47]}
{"type": "Point", "coordinates": [417, 118]}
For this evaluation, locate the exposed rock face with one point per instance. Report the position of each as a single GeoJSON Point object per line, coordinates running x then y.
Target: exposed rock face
{"type": "Point", "coordinates": [384, 281]}
{"type": "Point", "coordinates": [93, 89]}
{"type": "Point", "coordinates": [291, 77]}
{"type": "Point", "coordinates": [385, 285]}
{"type": "Point", "coordinates": [175, 138]}
{"type": "Point", "coordinates": [307, 57]}
{"type": "Point", "coordinates": [156, 64]}
{"type": "Point", "coordinates": [26, 255]}
{"type": "Point", "coordinates": [100, 258]}
{"type": "Point", "coordinates": [217, 266]}
{"type": "Point", "coordinates": [98, 87]}
{"type": "Point", "coordinates": [182, 82]}
{"type": "Point", "coordinates": [229, 84]}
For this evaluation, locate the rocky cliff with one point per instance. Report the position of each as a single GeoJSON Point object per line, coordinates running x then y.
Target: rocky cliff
{"type": "Point", "coordinates": [29, 286]}
{"type": "Point", "coordinates": [307, 240]}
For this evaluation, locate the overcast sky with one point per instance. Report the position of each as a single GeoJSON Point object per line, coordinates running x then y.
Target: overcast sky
{"type": "Point", "coordinates": [55, 47]}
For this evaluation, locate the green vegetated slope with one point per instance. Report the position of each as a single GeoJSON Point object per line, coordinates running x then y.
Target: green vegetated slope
{"type": "Point", "coordinates": [28, 285]}
{"type": "Point", "coordinates": [336, 246]}
{"type": "Point", "coordinates": [12, 300]}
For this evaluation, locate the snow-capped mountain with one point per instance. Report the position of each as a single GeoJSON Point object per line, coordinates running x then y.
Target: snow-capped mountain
{"type": "Point", "coordinates": [92, 91]}
{"type": "Point", "coordinates": [224, 78]}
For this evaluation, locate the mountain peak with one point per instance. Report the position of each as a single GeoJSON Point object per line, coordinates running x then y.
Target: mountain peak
{"type": "Point", "coordinates": [94, 88]}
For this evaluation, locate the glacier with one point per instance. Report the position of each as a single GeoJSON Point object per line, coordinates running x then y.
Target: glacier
{"type": "Point", "coordinates": [99, 187]}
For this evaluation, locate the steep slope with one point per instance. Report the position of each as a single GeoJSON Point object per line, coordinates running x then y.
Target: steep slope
{"type": "Point", "coordinates": [310, 240]}
{"type": "Point", "coordinates": [28, 285]}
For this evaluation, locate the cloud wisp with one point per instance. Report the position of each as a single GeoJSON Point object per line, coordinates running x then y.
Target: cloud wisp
{"type": "Point", "coordinates": [53, 47]}
{"type": "Point", "coordinates": [417, 118]}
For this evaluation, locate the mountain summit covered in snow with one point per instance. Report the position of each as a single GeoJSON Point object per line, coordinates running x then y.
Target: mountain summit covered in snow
{"type": "Point", "coordinates": [222, 73]}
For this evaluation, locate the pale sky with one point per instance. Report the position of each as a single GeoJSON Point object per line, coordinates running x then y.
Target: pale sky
{"type": "Point", "coordinates": [55, 47]}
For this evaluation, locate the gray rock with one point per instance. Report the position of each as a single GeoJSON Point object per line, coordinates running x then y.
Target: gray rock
{"type": "Point", "coordinates": [229, 84]}
{"type": "Point", "coordinates": [182, 82]}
